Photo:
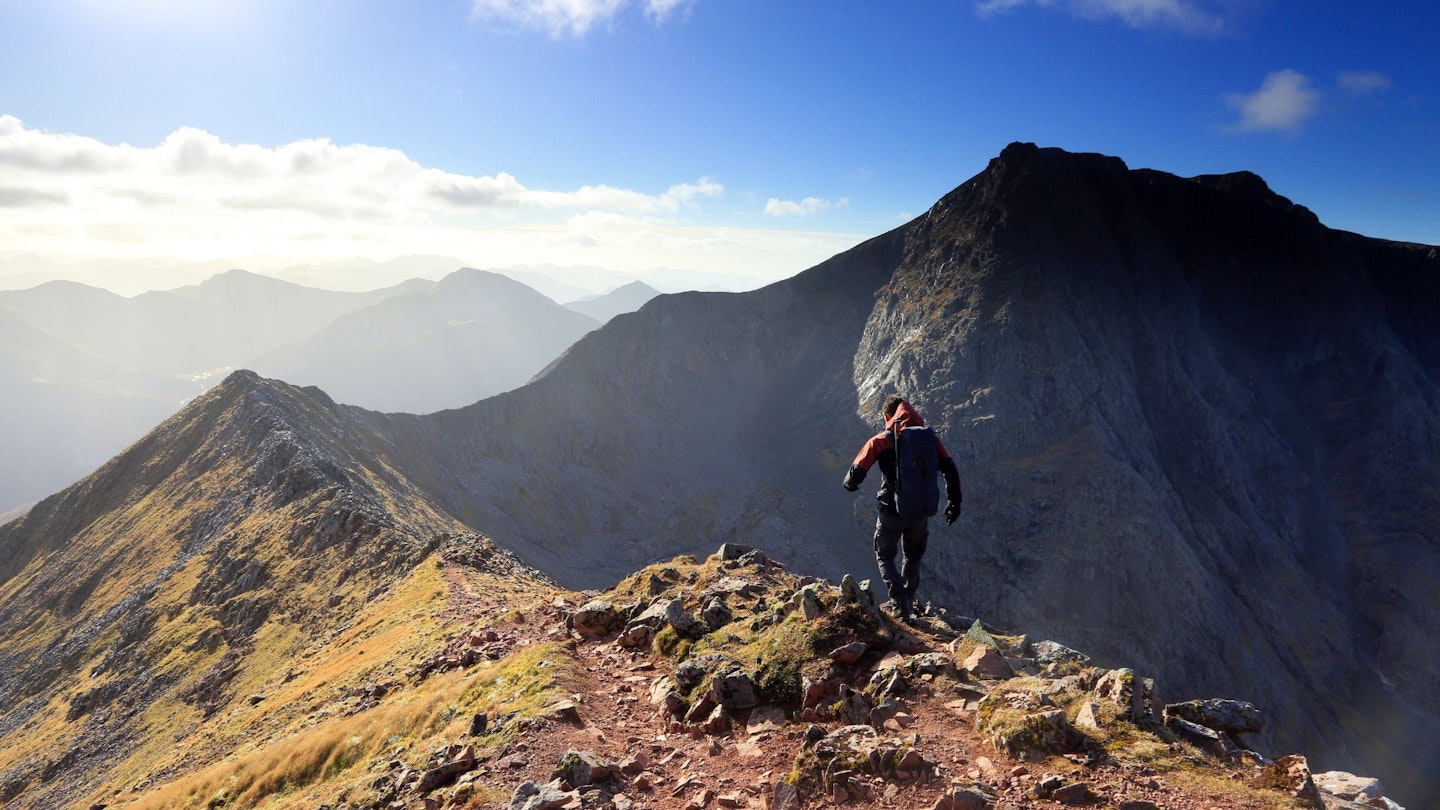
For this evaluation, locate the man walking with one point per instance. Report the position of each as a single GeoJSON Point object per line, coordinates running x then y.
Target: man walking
{"type": "Point", "coordinates": [910, 455]}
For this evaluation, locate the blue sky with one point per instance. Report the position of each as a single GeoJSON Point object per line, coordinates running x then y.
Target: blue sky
{"type": "Point", "coordinates": [727, 135]}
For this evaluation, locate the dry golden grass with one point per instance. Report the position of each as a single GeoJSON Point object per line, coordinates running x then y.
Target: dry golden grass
{"type": "Point", "coordinates": [272, 752]}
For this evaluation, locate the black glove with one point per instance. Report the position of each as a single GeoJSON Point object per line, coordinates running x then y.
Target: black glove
{"type": "Point", "coordinates": [952, 511]}
{"type": "Point", "coordinates": [850, 486]}
{"type": "Point", "coordinates": [854, 477]}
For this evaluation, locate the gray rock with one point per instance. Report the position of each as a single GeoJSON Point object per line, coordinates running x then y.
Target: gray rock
{"type": "Point", "coordinates": [1072, 795]}
{"type": "Point", "coordinates": [692, 671]}
{"type": "Point", "coordinates": [733, 551]}
{"type": "Point", "coordinates": [734, 690]}
{"type": "Point", "coordinates": [682, 620]}
{"type": "Point", "coordinates": [1050, 652]}
{"type": "Point", "coordinates": [636, 635]}
{"type": "Point", "coordinates": [596, 619]}
{"type": "Point", "coordinates": [784, 796]}
{"type": "Point", "coordinates": [581, 768]}
{"type": "Point", "coordinates": [534, 796]}
{"type": "Point", "coordinates": [966, 798]}
{"type": "Point", "coordinates": [1212, 742]}
{"type": "Point", "coordinates": [716, 614]}
{"type": "Point", "coordinates": [979, 634]}
{"type": "Point", "coordinates": [1349, 786]}
{"type": "Point", "coordinates": [1229, 716]}
{"type": "Point", "coordinates": [807, 601]}
{"type": "Point", "coordinates": [932, 664]}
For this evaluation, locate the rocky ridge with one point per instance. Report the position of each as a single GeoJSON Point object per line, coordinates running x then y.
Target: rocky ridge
{"type": "Point", "coordinates": [733, 683]}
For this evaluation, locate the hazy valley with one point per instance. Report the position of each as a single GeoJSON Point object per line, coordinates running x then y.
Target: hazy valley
{"type": "Point", "coordinates": [88, 371]}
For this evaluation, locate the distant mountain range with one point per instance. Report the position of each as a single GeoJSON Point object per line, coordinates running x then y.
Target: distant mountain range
{"type": "Point", "coordinates": [87, 371]}
{"type": "Point", "coordinates": [563, 284]}
{"type": "Point", "coordinates": [625, 298]}
{"type": "Point", "coordinates": [471, 335]}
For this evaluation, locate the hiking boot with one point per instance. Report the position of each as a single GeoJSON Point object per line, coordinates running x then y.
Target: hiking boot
{"type": "Point", "coordinates": [897, 610]}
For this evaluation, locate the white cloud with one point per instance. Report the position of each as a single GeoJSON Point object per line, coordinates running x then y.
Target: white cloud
{"type": "Point", "coordinates": [1284, 102]}
{"type": "Point", "coordinates": [195, 197]}
{"type": "Point", "coordinates": [1177, 14]}
{"type": "Point", "coordinates": [1362, 83]}
{"type": "Point", "coordinates": [574, 18]}
{"type": "Point", "coordinates": [810, 205]}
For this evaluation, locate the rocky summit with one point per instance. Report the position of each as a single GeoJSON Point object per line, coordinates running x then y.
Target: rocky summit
{"type": "Point", "coordinates": [1196, 428]}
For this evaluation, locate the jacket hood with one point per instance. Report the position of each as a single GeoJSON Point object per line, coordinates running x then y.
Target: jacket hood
{"type": "Point", "coordinates": [904, 416]}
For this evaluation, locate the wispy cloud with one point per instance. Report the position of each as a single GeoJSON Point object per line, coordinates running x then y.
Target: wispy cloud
{"type": "Point", "coordinates": [1363, 83]}
{"type": "Point", "coordinates": [776, 207]}
{"type": "Point", "coordinates": [1181, 15]}
{"type": "Point", "coordinates": [1284, 102]}
{"type": "Point", "coordinates": [572, 18]}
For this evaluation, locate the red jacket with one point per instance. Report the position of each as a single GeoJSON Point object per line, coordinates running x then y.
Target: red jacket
{"type": "Point", "coordinates": [881, 448]}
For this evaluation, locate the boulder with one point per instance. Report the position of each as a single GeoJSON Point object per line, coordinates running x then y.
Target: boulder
{"type": "Point", "coordinates": [1134, 695]}
{"type": "Point", "coordinates": [716, 614]}
{"type": "Point", "coordinates": [1349, 786]}
{"type": "Point", "coordinates": [814, 693]}
{"type": "Point", "coordinates": [581, 768]}
{"type": "Point", "coordinates": [1072, 795]}
{"type": "Point", "coordinates": [1291, 774]}
{"type": "Point", "coordinates": [1089, 715]}
{"type": "Point", "coordinates": [849, 654]}
{"type": "Point", "coordinates": [976, 797]}
{"type": "Point", "coordinates": [1050, 652]}
{"type": "Point", "coordinates": [1230, 716]}
{"type": "Point", "coordinates": [534, 796]}
{"type": "Point", "coordinates": [986, 664]}
{"type": "Point", "coordinates": [807, 601]}
{"type": "Point", "coordinates": [733, 551]}
{"type": "Point", "coordinates": [596, 619]}
{"type": "Point", "coordinates": [692, 671]}
{"type": "Point", "coordinates": [1215, 743]}
{"type": "Point", "coordinates": [1047, 731]}
{"type": "Point", "coordinates": [784, 796]}
{"type": "Point", "coordinates": [980, 635]}
{"type": "Point", "coordinates": [932, 664]}
{"type": "Point", "coordinates": [734, 690]}
{"type": "Point", "coordinates": [682, 620]}
{"type": "Point", "coordinates": [636, 635]}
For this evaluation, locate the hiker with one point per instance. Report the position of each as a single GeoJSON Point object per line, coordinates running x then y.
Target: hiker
{"type": "Point", "coordinates": [905, 504]}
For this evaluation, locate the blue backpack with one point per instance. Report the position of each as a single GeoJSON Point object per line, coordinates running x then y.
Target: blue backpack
{"type": "Point", "coordinates": [917, 472]}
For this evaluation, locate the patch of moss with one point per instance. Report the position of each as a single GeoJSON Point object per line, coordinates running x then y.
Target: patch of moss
{"type": "Point", "coordinates": [670, 643]}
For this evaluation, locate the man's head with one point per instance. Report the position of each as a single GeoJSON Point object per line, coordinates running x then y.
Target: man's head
{"type": "Point", "coordinates": [892, 403]}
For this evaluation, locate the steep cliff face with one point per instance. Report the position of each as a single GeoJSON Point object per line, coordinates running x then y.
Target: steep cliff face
{"type": "Point", "coordinates": [1197, 429]}
{"type": "Point", "coordinates": [1200, 427]}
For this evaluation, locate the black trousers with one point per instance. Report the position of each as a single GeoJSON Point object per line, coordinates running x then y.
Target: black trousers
{"type": "Point", "coordinates": [894, 535]}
